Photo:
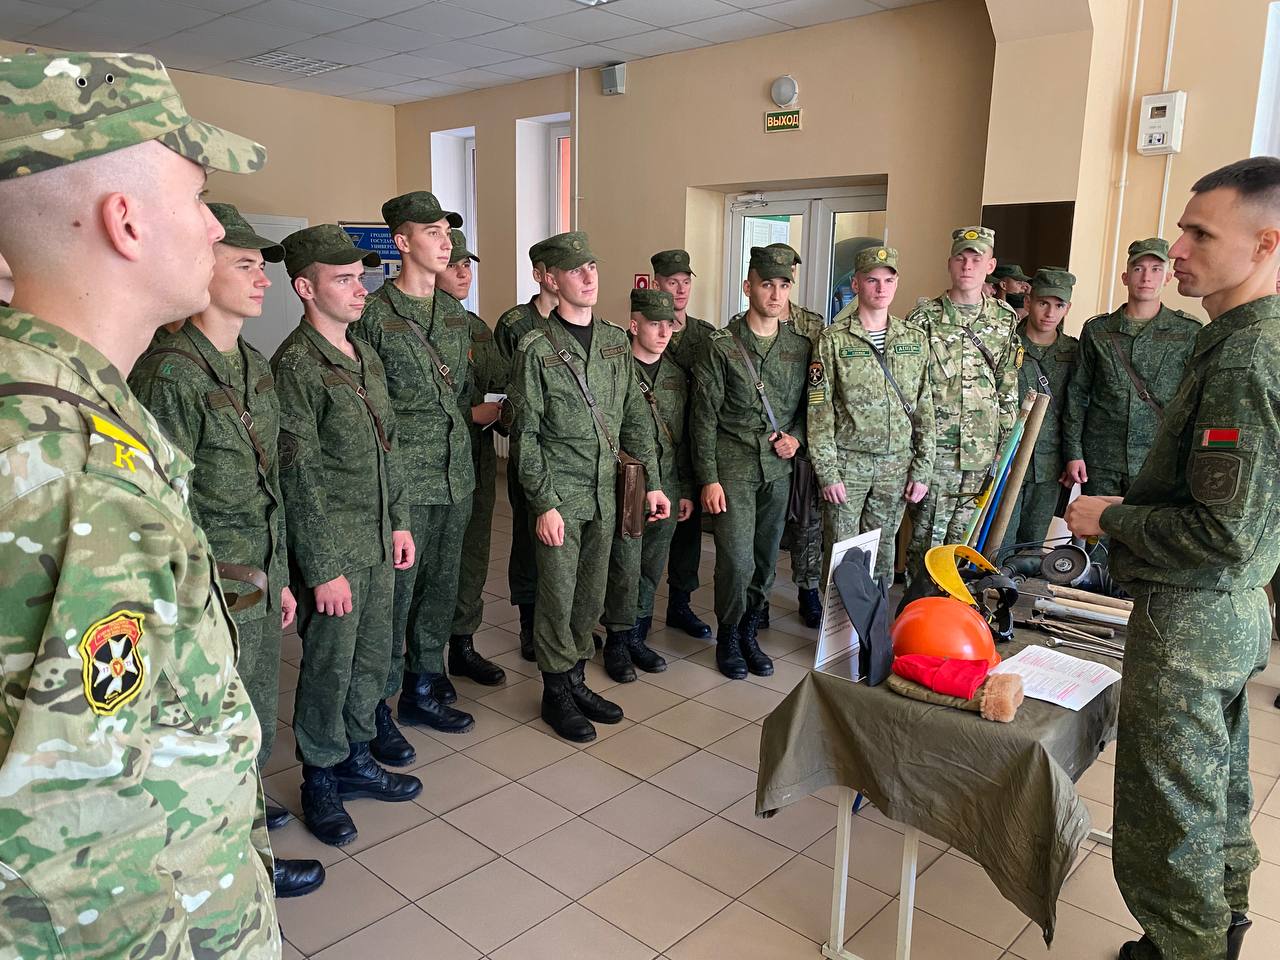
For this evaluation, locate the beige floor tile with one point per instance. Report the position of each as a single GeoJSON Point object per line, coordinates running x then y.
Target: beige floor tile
{"type": "Point", "coordinates": [1263, 786]}
{"type": "Point", "coordinates": [1266, 833]}
{"type": "Point", "coordinates": [454, 780]}
{"type": "Point", "coordinates": [425, 858]}
{"type": "Point", "coordinates": [695, 723]}
{"type": "Point", "coordinates": [283, 752]}
{"type": "Point", "coordinates": [739, 932]}
{"type": "Point", "coordinates": [596, 678]}
{"type": "Point", "coordinates": [289, 952]}
{"type": "Point", "coordinates": [705, 658]}
{"type": "Point", "coordinates": [795, 826]}
{"type": "Point", "coordinates": [746, 700]}
{"type": "Point", "coordinates": [516, 666]}
{"type": "Point", "coordinates": [1264, 891]}
{"type": "Point", "coordinates": [802, 655]}
{"type": "Point", "coordinates": [1108, 754]}
{"type": "Point", "coordinates": [377, 821]}
{"type": "Point", "coordinates": [603, 731]}
{"type": "Point", "coordinates": [655, 903]}
{"type": "Point", "coordinates": [640, 751]}
{"type": "Point", "coordinates": [426, 749]}
{"type": "Point", "coordinates": [875, 854]}
{"type": "Point", "coordinates": [294, 841]}
{"type": "Point", "coordinates": [1264, 757]}
{"type": "Point", "coordinates": [519, 752]}
{"type": "Point", "coordinates": [798, 895]}
{"type": "Point", "coordinates": [640, 701]}
{"type": "Point", "coordinates": [508, 818]}
{"type": "Point", "coordinates": [390, 935]}
{"type": "Point", "coordinates": [742, 746]}
{"type": "Point", "coordinates": [676, 643]}
{"type": "Point", "coordinates": [726, 856]}
{"type": "Point", "coordinates": [284, 786]}
{"type": "Point", "coordinates": [963, 895]}
{"type": "Point", "coordinates": [489, 723]}
{"type": "Point", "coordinates": [579, 782]}
{"type": "Point", "coordinates": [469, 691]}
{"type": "Point", "coordinates": [1271, 805]}
{"type": "Point", "coordinates": [784, 678]}
{"type": "Point", "coordinates": [291, 647]}
{"type": "Point", "coordinates": [647, 817]}
{"type": "Point", "coordinates": [686, 679]}
{"type": "Point", "coordinates": [1078, 935]}
{"type": "Point", "coordinates": [711, 782]}
{"type": "Point", "coordinates": [1097, 783]}
{"type": "Point", "coordinates": [491, 641]}
{"type": "Point", "coordinates": [1260, 944]}
{"type": "Point", "coordinates": [574, 934]}
{"type": "Point", "coordinates": [500, 613]}
{"type": "Point", "coordinates": [288, 677]}
{"type": "Point", "coordinates": [931, 939]}
{"type": "Point", "coordinates": [1103, 818]}
{"type": "Point", "coordinates": [1093, 888]}
{"type": "Point", "coordinates": [350, 899]}
{"type": "Point", "coordinates": [494, 904]}
{"type": "Point", "coordinates": [576, 857]}
{"type": "Point", "coordinates": [789, 624]}
{"type": "Point", "coordinates": [519, 699]}
{"type": "Point", "coordinates": [284, 706]}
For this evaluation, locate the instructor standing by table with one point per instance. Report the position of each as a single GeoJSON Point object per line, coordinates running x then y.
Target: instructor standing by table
{"type": "Point", "coordinates": [1194, 541]}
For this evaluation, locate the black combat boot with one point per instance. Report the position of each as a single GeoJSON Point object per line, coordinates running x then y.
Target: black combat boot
{"type": "Point", "coordinates": [810, 608]}
{"type": "Point", "coordinates": [465, 662]}
{"type": "Point", "coordinates": [277, 816]}
{"type": "Point", "coordinates": [294, 878]}
{"type": "Point", "coordinates": [1239, 926]}
{"type": "Point", "coordinates": [526, 632]}
{"type": "Point", "coordinates": [681, 616]}
{"type": "Point", "coordinates": [418, 705]}
{"type": "Point", "coordinates": [642, 655]}
{"type": "Point", "coordinates": [593, 706]}
{"type": "Point", "coordinates": [561, 711]}
{"type": "Point", "coordinates": [322, 809]}
{"type": "Point", "coordinates": [729, 653]}
{"type": "Point", "coordinates": [758, 662]}
{"type": "Point", "coordinates": [359, 776]}
{"type": "Point", "coordinates": [389, 745]}
{"type": "Point", "coordinates": [617, 656]}
{"type": "Point", "coordinates": [442, 688]}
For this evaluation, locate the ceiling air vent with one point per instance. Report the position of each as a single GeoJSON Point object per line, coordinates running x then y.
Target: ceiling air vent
{"type": "Point", "coordinates": [292, 63]}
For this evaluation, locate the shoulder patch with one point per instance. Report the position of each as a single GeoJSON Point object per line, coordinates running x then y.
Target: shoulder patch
{"type": "Point", "coordinates": [512, 316]}
{"type": "Point", "coordinates": [530, 338]}
{"type": "Point", "coordinates": [112, 665]}
{"type": "Point", "coordinates": [720, 334]}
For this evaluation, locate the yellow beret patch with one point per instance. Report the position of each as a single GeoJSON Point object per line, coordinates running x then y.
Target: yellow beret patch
{"type": "Point", "coordinates": [971, 234]}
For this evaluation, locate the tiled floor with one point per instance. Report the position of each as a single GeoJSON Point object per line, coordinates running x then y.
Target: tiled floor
{"type": "Point", "coordinates": [643, 844]}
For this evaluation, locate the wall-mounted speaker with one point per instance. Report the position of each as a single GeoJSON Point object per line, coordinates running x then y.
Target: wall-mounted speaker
{"type": "Point", "coordinates": [613, 79]}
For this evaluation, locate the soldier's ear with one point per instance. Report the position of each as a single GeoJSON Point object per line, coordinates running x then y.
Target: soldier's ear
{"type": "Point", "coordinates": [303, 288]}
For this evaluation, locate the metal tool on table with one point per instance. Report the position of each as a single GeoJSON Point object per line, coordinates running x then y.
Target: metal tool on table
{"type": "Point", "coordinates": [1055, 642]}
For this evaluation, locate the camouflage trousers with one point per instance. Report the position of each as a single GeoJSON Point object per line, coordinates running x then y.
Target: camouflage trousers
{"type": "Point", "coordinates": [468, 611]}
{"type": "Point", "coordinates": [806, 549]}
{"type": "Point", "coordinates": [686, 552]}
{"type": "Point", "coordinates": [873, 488]}
{"type": "Point", "coordinates": [635, 567]}
{"type": "Point", "coordinates": [571, 588]}
{"type": "Point", "coordinates": [1106, 483]}
{"type": "Point", "coordinates": [1183, 851]}
{"type": "Point", "coordinates": [425, 594]}
{"type": "Point", "coordinates": [259, 669]}
{"type": "Point", "coordinates": [522, 570]}
{"type": "Point", "coordinates": [747, 536]}
{"type": "Point", "coordinates": [344, 667]}
{"type": "Point", "coordinates": [1032, 512]}
{"type": "Point", "coordinates": [945, 511]}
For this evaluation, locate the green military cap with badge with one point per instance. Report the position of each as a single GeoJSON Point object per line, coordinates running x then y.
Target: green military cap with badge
{"type": "Point", "coordinates": [978, 239]}
{"type": "Point", "coordinates": [566, 251]}
{"type": "Point", "coordinates": [790, 251]}
{"type": "Point", "coordinates": [771, 263]}
{"type": "Point", "coordinates": [59, 108]}
{"type": "Point", "coordinates": [1151, 247]}
{"type": "Point", "coordinates": [1009, 271]}
{"type": "Point", "coordinates": [655, 305]}
{"type": "Point", "coordinates": [869, 258]}
{"type": "Point", "coordinates": [323, 243]}
{"type": "Point", "coordinates": [460, 251]}
{"type": "Point", "coordinates": [667, 263]}
{"type": "Point", "coordinates": [419, 206]}
{"type": "Point", "coordinates": [239, 233]}
{"type": "Point", "coordinates": [1053, 282]}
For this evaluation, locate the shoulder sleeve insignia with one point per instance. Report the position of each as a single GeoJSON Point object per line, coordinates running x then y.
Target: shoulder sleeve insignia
{"type": "Point", "coordinates": [719, 334]}
{"type": "Point", "coordinates": [1019, 356]}
{"type": "Point", "coordinates": [816, 374]}
{"type": "Point", "coordinates": [111, 657]}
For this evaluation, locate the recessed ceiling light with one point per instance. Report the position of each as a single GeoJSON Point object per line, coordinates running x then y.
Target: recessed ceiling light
{"type": "Point", "coordinates": [292, 63]}
{"type": "Point", "coordinates": [593, 3]}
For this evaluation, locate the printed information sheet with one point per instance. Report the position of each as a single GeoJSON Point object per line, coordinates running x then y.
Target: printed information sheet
{"type": "Point", "coordinates": [1059, 678]}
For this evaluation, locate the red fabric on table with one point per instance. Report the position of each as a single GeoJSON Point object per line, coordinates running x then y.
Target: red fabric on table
{"type": "Point", "coordinates": [955, 678]}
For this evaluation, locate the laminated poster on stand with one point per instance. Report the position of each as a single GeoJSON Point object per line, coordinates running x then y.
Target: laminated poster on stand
{"type": "Point", "coordinates": [837, 648]}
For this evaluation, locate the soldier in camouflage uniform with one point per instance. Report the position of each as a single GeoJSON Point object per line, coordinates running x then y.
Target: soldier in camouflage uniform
{"type": "Point", "coordinates": [199, 383]}
{"type": "Point", "coordinates": [522, 577]}
{"type": "Point", "coordinates": [347, 532]}
{"type": "Point", "coordinates": [488, 375]}
{"type": "Point", "coordinates": [1195, 540]}
{"type": "Point", "coordinates": [1109, 422]}
{"type": "Point", "coordinates": [741, 460]}
{"type": "Point", "coordinates": [423, 338]}
{"type": "Point", "coordinates": [1048, 360]}
{"type": "Point", "coordinates": [871, 439]}
{"type": "Point", "coordinates": [1012, 286]}
{"type": "Point", "coordinates": [130, 819]}
{"type": "Point", "coordinates": [973, 349]}
{"type": "Point", "coordinates": [568, 469]}
{"type": "Point", "coordinates": [673, 274]}
{"type": "Point", "coordinates": [635, 566]}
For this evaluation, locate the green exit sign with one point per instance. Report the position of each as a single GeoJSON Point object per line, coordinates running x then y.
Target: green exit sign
{"type": "Point", "coordinates": [777, 120]}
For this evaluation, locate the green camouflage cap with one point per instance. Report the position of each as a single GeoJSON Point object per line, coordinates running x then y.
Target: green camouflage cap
{"type": "Point", "coordinates": [56, 109]}
{"type": "Point", "coordinates": [1009, 271]}
{"type": "Point", "coordinates": [460, 251]}
{"type": "Point", "coordinates": [772, 263]}
{"type": "Point", "coordinates": [667, 263]}
{"type": "Point", "coordinates": [788, 250]}
{"type": "Point", "coordinates": [656, 305]}
{"type": "Point", "coordinates": [1052, 282]}
{"type": "Point", "coordinates": [538, 253]}
{"type": "Point", "coordinates": [323, 243]}
{"type": "Point", "coordinates": [869, 258]}
{"type": "Point", "coordinates": [240, 234]}
{"type": "Point", "coordinates": [565, 251]}
{"type": "Point", "coordinates": [1151, 247]}
{"type": "Point", "coordinates": [417, 207]}
{"type": "Point", "coordinates": [979, 239]}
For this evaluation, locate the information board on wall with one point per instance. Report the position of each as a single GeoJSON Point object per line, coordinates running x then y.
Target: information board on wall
{"type": "Point", "coordinates": [375, 237]}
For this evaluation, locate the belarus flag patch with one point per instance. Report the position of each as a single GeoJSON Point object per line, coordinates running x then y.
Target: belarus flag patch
{"type": "Point", "coordinates": [1221, 438]}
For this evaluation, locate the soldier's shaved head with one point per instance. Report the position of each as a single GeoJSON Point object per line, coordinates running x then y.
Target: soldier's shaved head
{"type": "Point", "coordinates": [1255, 179]}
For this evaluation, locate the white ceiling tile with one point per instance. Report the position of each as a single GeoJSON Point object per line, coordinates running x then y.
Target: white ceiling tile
{"type": "Point", "coordinates": [386, 36]}
{"type": "Point", "coordinates": [475, 77]}
{"type": "Point", "coordinates": [177, 57]}
{"type": "Point", "coordinates": [526, 68]}
{"type": "Point", "coordinates": [418, 68]}
{"type": "Point", "coordinates": [233, 38]}
{"type": "Point", "coordinates": [750, 4]}
{"type": "Point", "coordinates": [655, 43]}
{"type": "Point", "coordinates": [463, 53]}
{"type": "Point", "coordinates": [338, 51]}
{"type": "Point", "coordinates": [346, 80]}
{"type": "Point", "coordinates": [588, 55]}
{"type": "Point", "coordinates": [522, 11]}
{"type": "Point", "coordinates": [217, 6]}
{"type": "Point", "coordinates": [85, 31]}
{"type": "Point", "coordinates": [153, 15]}
{"type": "Point", "coordinates": [371, 9]}
{"type": "Point", "coordinates": [422, 89]}
{"type": "Point", "coordinates": [806, 13]}
{"type": "Point", "coordinates": [20, 15]}
{"type": "Point", "coordinates": [250, 72]}
{"type": "Point", "coordinates": [384, 95]}
{"type": "Point", "coordinates": [734, 26]}
{"type": "Point", "coordinates": [303, 16]}
{"type": "Point", "coordinates": [524, 40]}
{"type": "Point", "coordinates": [447, 21]}
{"type": "Point", "coordinates": [669, 13]}
{"type": "Point", "coordinates": [591, 25]}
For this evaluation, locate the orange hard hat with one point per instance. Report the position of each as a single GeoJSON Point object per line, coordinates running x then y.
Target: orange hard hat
{"type": "Point", "coordinates": [943, 627]}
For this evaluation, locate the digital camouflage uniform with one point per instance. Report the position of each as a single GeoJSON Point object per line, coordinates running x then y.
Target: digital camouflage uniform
{"type": "Point", "coordinates": [130, 805]}
{"type": "Point", "coordinates": [1195, 541]}
{"type": "Point", "coordinates": [240, 510]}
{"type": "Point", "coordinates": [343, 497]}
{"type": "Point", "coordinates": [860, 434]}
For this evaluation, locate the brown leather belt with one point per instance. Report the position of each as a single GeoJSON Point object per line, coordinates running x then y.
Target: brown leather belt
{"type": "Point", "coordinates": [241, 573]}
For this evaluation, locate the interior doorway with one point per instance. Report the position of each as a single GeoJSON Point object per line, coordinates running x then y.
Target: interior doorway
{"type": "Point", "coordinates": [281, 308]}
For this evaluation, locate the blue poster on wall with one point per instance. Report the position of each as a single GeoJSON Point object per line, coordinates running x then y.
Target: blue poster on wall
{"type": "Point", "coordinates": [375, 237]}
